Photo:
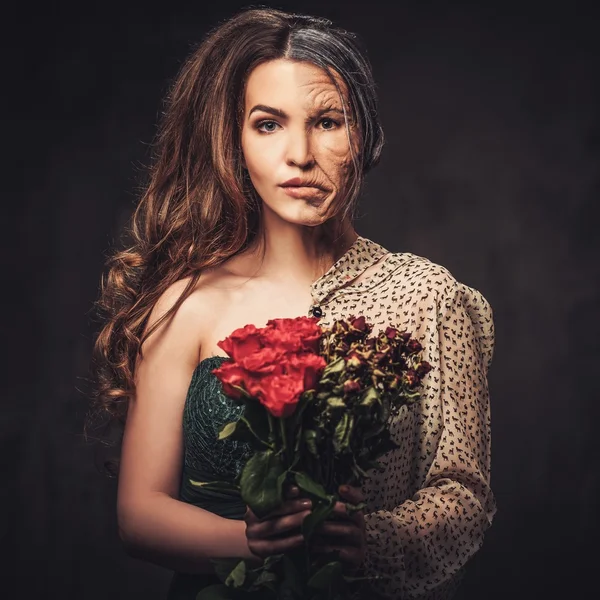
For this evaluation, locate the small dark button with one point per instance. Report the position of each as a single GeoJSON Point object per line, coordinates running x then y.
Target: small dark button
{"type": "Point", "coordinates": [316, 311]}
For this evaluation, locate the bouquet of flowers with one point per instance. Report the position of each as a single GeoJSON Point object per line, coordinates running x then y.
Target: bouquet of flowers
{"type": "Point", "coordinates": [317, 406]}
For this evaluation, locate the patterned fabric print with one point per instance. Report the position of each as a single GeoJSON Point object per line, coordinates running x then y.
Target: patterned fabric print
{"type": "Point", "coordinates": [428, 510]}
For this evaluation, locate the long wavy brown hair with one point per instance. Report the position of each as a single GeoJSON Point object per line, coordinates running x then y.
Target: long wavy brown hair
{"type": "Point", "coordinates": [199, 207]}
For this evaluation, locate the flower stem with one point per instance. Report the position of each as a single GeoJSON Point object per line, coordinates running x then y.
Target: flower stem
{"type": "Point", "coordinates": [271, 428]}
{"type": "Point", "coordinates": [284, 441]}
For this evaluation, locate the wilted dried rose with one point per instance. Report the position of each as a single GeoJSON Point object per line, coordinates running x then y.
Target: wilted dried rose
{"type": "Point", "coordinates": [413, 346]}
{"type": "Point", "coordinates": [351, 385]}
{"type": "Point", "coordinates": [360, 324]}
{"type": "Point", "coordinates": [354, 361]}
{"type": "Point", "coordinates": [411, 378]}
{"type": "Point", "coordinates": [391, 333]}
{"type": "Point", "coordinates": [423, 368]}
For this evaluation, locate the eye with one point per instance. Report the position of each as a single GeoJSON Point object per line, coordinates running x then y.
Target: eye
{"type": "Point", "coordinates": [331, 121]}
{"type": "Point", "coordinates": [263, 123]}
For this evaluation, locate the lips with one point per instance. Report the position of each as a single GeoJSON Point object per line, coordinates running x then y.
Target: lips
{"type": "Point", "coordinates": [301, 183]}
{"type": "Point", "coordinates": [298, 191]}
{"type": "Point", "coordinates": [302, 188]}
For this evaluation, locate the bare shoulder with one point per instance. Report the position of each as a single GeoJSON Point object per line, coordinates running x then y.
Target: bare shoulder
{"type": "Point", "coordinates": [183, 331]}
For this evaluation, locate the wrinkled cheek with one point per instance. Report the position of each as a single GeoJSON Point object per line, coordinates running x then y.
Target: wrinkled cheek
{"type": "Point", "coordinates": [339, 169]}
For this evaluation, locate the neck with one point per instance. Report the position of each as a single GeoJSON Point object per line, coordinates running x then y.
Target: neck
{"type": "Point", "coordinates": [294, 253]}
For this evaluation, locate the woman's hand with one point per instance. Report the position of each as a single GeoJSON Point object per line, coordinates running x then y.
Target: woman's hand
{"type": "Point", "coordinates": [343, 532]}
{"type": "Point", "coordinates": [279, 531]}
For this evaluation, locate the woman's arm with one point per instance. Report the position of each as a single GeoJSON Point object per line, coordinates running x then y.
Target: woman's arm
{"type": "Point", "coordinates": [180, 536]}
{"type": "Point", "coordinates": [423, 545]}
{"type": "Point", "coordinates": [153, 524]}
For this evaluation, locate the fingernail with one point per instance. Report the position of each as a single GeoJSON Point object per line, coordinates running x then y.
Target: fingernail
{"type": "Point", "coordinates": [344, 488]}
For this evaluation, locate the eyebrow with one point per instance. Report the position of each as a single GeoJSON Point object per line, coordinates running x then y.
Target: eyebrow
{"type": "Point", "coordinates": [282, 115]}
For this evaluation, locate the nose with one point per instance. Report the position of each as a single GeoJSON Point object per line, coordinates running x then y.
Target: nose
{"type": "Point", "coordinates": [299, 150]}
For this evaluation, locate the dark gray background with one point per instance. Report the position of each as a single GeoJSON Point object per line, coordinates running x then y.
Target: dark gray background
{"type": "Point", "coordinates": [491, 168]}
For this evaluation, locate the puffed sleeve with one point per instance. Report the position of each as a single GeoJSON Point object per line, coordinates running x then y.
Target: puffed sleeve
{"type": "Point", "coordinates": [422, 545]}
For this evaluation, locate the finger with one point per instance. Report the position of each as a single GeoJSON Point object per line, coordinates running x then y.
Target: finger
{"type": "Point", "coordinates": [348, 533]}
{"type": "Point", "coordinates": [264, 548]}
{"type": "Point", "coordinates": [351, 494]}
{"type": "Point", "coordinates": [289, 507]}
{"type": "Point", "coordinates": [292, 492]}
{"type": "Point", "coordinates": [275, 527]}
{"type": "Point", "coordinates": [340, 533]}
{"type": "Point", "coordinates": [341, 512]}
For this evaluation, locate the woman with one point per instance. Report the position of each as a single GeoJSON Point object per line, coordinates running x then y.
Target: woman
{"type": "Point", "coordinates": [268, 132]}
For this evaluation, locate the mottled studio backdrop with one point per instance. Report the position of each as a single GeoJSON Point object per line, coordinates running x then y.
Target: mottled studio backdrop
{"type": "Point", "coordinates": [491, 168]}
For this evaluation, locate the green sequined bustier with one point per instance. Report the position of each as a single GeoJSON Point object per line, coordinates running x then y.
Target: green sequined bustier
{"type": "Point", "coordinates": [206, 458]}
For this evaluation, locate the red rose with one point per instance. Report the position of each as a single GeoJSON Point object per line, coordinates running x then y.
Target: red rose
{"type": "Point", "coordinates": [262, 362]}
{"type": "Point", "coordinates": [241, 342]}
{"type": "Point", "coordinates": [307, 366]}
{"type": "Point", "coordinates": [231, 374]}
{"type": "Point", "coordinates": [279, 393]}
{"type": "Point", "coordinates": [293, 335]}
{"type": "Point", "coordinates": [274, 364]}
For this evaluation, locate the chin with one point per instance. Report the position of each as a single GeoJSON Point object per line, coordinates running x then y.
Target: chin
{"type": "Point", "coordinates": [301, 212]}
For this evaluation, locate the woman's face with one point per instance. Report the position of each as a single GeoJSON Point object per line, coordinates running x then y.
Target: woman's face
{"type": "Point", "coordinates": [293, 127]}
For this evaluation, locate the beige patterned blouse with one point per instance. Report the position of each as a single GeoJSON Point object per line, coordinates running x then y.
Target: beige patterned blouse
{"type": "Point", "coordinates": [427, 512]}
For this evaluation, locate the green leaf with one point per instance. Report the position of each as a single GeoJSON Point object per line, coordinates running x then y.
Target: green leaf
{"type": "Point", "coordinates": [240, 430]}
{"type": "Point", "coordinates": [336, 402]}
{"type": "Point", "coordinates": [271, 560]}
{"type": "Point", "coordinates": [259, 482]}
{"type": "Point", "coordinates": [224, 566]}
{"type": "Point", "coordinates": [237, 577]}
{"type": "Point", "coordinates": [336, 366]}
{"type": "Point", "coordinates": [280, 482]}
{"type": "Point", "coordinates": [369, 397]}
{"type": "Point", "coordinates": [265, 577]}
{"type": "Point", "coordinates": [343, 431]}
{"type": "Point", "coordinates": [218, 486]}
{"type": "Point", "coordinates": [227, 430]}
{"type": "Point", "coordinates": [326, 575]}
{"type": "Point", "coordinates": [306, 483]}
{"type": "Point", "coordinates": [310, 438]}
{"type": "Point", "coordinates": [317, 515]}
